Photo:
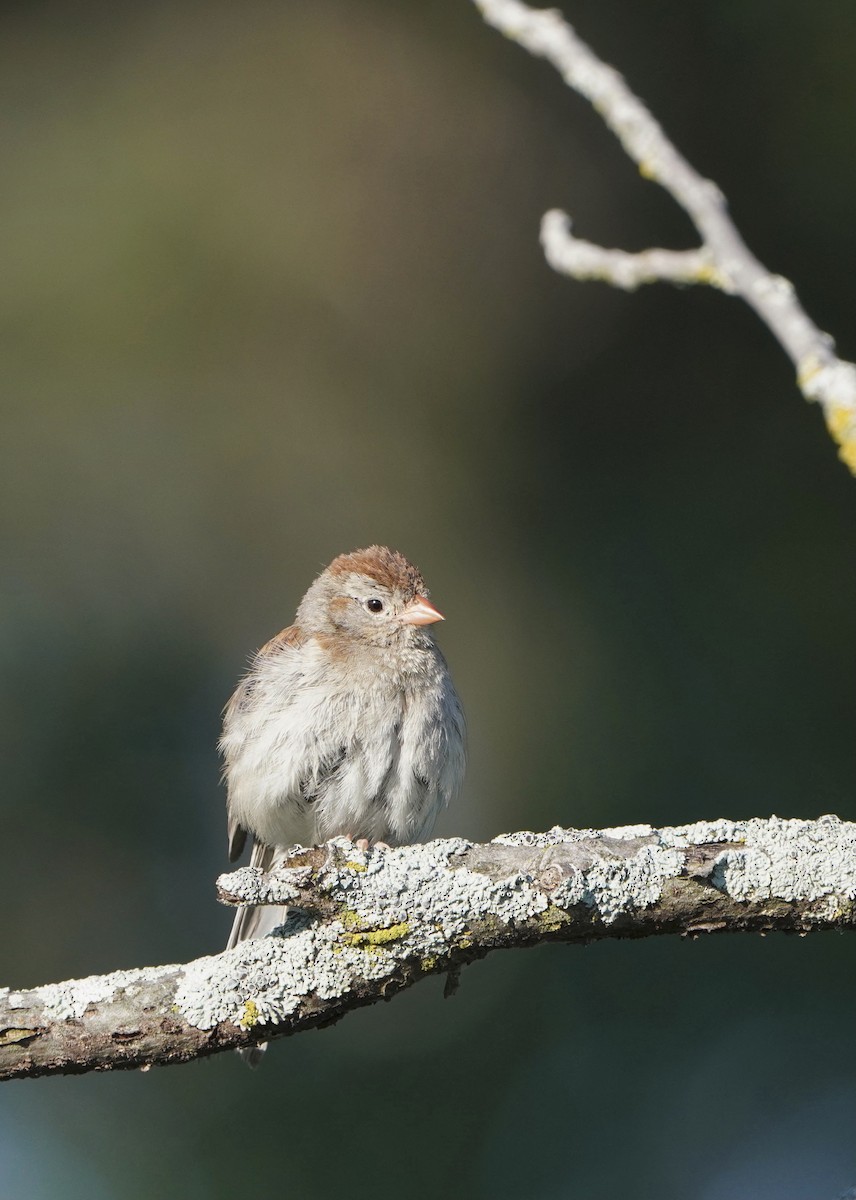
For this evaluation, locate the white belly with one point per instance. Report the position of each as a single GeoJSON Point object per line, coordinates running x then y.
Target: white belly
{"type": "Point", "coordinates": [306, 760]}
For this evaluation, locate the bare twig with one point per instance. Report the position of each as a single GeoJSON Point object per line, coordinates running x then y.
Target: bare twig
{"type": "Point", "coordinates": [723, 260]}
{"type": "Point", "coordinates": [365, 925]}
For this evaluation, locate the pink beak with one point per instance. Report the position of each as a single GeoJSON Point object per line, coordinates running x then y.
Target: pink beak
{"type": "Point", "coordinates": [420, 612]}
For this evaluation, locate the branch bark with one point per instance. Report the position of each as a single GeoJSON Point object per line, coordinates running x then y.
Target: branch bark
{"type": "Point", "coordinates": [363, 926]}
{"type": "Point", "coordinates": [723, 260]}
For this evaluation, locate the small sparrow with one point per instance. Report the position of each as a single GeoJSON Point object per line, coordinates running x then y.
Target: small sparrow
{"type": "Point", "coordinates": [347, 723]}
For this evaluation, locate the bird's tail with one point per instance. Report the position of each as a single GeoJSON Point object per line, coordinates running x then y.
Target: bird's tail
{"type": "Point", "coordinates": [255, 921]}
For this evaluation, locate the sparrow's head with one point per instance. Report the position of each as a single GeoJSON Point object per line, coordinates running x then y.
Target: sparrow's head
{"type": "Point", "coordinates": [372, 596]}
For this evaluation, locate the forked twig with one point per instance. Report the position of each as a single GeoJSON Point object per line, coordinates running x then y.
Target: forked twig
{"type": "Point", "coordinates": [723, 260]}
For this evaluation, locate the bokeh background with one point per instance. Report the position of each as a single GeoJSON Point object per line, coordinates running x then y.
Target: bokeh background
{"type": "Point", "coordinates": [271, 290]}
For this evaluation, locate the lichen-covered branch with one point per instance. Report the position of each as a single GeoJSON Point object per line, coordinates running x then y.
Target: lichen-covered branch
{"type": "Point", "coordinates": [363, 925]}
{"type": "Point", "coordinates": [723, 260]}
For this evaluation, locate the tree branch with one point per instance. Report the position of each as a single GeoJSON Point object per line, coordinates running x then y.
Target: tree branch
{"type": "Point", "coordinates": [723, 260]}
{"type": "Point", "coordinates": [365, 925]}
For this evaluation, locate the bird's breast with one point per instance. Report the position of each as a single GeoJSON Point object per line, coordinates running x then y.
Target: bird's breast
{"type": "Point", "coordinates": [314, 750]}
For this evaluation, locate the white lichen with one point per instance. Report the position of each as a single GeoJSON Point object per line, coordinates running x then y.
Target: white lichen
{"type": "Point", "coordinates": [275, 973]}
{"type": "Point", "coordinates": [70, 1000]}
{"type": "Point", "coordinates": [615, 886]}
{"type": "Point", "coordinates": [610, 884]}
{"type": "Point", "coordinates": [779, 859]}
{"type": "Point", "coordinates": [774, 858]}
{"type": "Point", "coordinates": [553, 837]}
{"type": "Point", "coordinates": [249, 884]}
{"type": "Point", "coordinates": [422, 903]}
{"type": "Point", "coordinates": [409, 893]}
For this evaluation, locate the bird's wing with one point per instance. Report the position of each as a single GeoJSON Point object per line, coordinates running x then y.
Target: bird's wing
{"type": "Point", "coordinates": [240, 699]}
{"type": "Point", "coordinates": [237, 838]}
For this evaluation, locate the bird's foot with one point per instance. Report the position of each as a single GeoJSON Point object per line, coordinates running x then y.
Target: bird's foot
{"type": "Point", "coordinates": [365, 845]}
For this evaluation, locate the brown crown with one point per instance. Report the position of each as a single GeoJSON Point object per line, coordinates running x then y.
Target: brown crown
{"type": "Point", "coordinates": [387, 567]}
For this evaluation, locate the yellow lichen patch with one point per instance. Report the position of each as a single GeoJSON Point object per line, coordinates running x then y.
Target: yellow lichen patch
{"type": "Point", "coordinates": [356, 866]}
{"type": "Point", "coordinates": [712, 276]}
{"type": "Point", "coordinates": [809, 367]}
{"type": "Point", "coordinates": [553, 918]}
{"type": "Point", "coordinates": [377, 937]}
{"type": "Point", "coordinates": [648, 170]}
{"type": "Point", "coordinates": [250, 1016]}
{"type": "Point", "coordinates": [841, 423]}
{"type": "Point", "coordinates": [429, 962]}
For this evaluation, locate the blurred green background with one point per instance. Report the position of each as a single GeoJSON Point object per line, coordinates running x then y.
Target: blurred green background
{"type": "Point", "coordinates": [271, 290]}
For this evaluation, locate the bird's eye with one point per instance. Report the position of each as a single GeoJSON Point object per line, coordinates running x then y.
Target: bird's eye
{"type": "Point", "coordinates": [374, 605]}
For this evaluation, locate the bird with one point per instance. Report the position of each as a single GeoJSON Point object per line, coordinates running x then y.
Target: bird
{"type": "Point", "coordinates": [347, 723]}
